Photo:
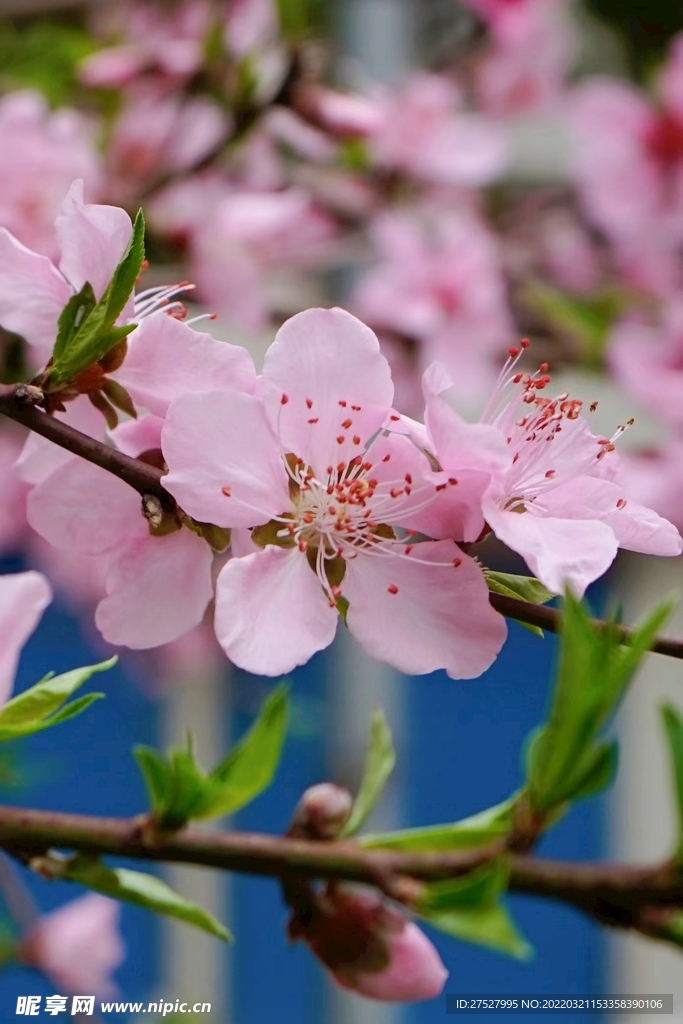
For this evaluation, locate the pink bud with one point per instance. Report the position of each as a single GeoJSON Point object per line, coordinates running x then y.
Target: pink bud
{"type": "Point", "coordinates": [78, 946]}
{"type": "Point", "coordinates": [371, 948]}
{"type": "Point", "coordinates": [322, 811]}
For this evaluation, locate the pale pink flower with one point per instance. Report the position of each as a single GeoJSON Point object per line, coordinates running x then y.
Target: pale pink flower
{"type": "Point", "coordinates": [23, 599]}
{"type": "Point", "coordinates": [311, 464]}
{"type": "Point", "coordinates": [13, 490]}
{"type": "Point", "coordinates": [555, 500]}
{"type": "Point", "coordinates": [371, 948]}
{"type": "Point", "coordinates": [648, 361]}
{"type": "Point", "coordinates": [78, 946]}
{"type": "Point", "coordinates": [656, 478]}
{"type": "Point", "coordinates": [41, 153]}
{"type": "Point", "coordinates": [425, 132]}
{"type": "Point", "coordinates": [439, 280]}
{"type": "Point", "coordinates": [250, 25]}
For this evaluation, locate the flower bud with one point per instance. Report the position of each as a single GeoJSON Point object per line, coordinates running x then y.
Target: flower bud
{"type": "Point", "coordinates": [322, 812]}
{"type": "Point", "coordinates": [371, 948]}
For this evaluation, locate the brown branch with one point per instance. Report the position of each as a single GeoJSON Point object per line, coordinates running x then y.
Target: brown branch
{"type": "Point", "coordinates": [18, 402]}
{"type": "Point", "coordinates": [620, 895]}
{"type": "Point", "coordinates": [550, 619]}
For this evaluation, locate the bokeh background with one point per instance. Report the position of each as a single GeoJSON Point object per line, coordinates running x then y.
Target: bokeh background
{"type": "Point", "coordinates": [520, 244]}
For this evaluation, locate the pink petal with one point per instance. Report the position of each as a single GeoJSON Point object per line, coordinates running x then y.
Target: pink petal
{"type": "Point", "coordinates": [415, 971]}
{"type": "Point", "coordinates": [271, 612]}
{"type": "Point", "coordinates": [23, 598]}
{"type": "Point", "coordinates": [636, 527]}
{"type": "Point", "coordinates": [166, 359]}
{"type": "Point", "coordinates": [158, 588]}
{"type": "Point", "coordinates": [322, 363]}
{"type": "Point", "coordinates": [32, 293]}
{"type": "Point", "coordinates": [439, 618]}
{"type": "Point", "coordinates": [84, 508]}
{"type": "Point", "coordinates": [559, 552]}
{"type": "Point", "coordinates": [137, 436]}
{"type": "Point", "coordinates": [92, 240]}
{"type": "Point", "coordinates": [223, 440]}
{"type": "Point", "coordinates": [40, 458]}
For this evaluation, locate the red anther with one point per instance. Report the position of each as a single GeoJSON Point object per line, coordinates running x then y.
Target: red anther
{"type": "Point", "coordinates": [372, 483]}
{"type": "Point", "coordinates": [314, 420]}
{"type": "Point", "coordinates": [452, 481]}
{"type": "Point", "coordinates": [409, 491]}
{"type": "Point", "coordinates": [367, 466]}
{"type": "Point", "coordinates": [441, 487]}
{"type": "Point", "coordinates": [515, 458]}
{"type": "Point", "coordinates": [396, 492]}
{"type": "Point", "coordinates": [525, 342]}
{"type": "Point", "coordinates": [408, 478]}
{"type": "Point", "coordinates": [308, 517]}
{"type": "Point", "coordinates": [336, 591]}
{"type": "Point", "coordinates": [342, 403]}
{"type": "Point", "coordinates": [330, 489]}
{"type": "Point", "coordinates": [291, 529]}
{"type": "Point", "coordinates": [549, 474]}
{"type": "Point", "coordinates": [408, 549]}
{"type": "Point", "coordinates": [395, 419]}
{"type": "Point", "coordinates": [513, 352]}
{"type": "Point", "coordinates": [332, 509]}
{"type": "Point", "coordinates": [309, 403]}
{"type": "Point", "coordinates": [392, 588]}
{"type": "Point", "coordinates": [303, 546]}
{"type": "Point", "coordinates": [332, 603]}
{"type": "Point", "coordinates": [284, 400]}
{"type": "Point", "coordinates": [356, 439]}
{"type": "Point", "coordinates": [145, 265]}
{"type": "Point", "coordinates": [346, 424]}
{"type": "Point", "coordinates": [621, 503]}
{"type": "Point", "coordinates": [356, 408]}
{"type": "Point", "coordinates": [544, 367]}
{"type": "Point", "coordinates": [386, 458]}
{"type": "Point", "coordinates": [457, 562]}
{"type": "Point", "coordinates": [341, 467]}
{"type": "Point", "coordinates": [329, 470]}
{"type": "Point", "coordinates": [603, 441]}
{"type": "Point", "coordinates": [340, 552]}
{"type": "Point", "coordinates": [341, 439]}
{"type": "Point", "coordinates": [517, 378]}
{"type": "Point", "coordinates": [226, 491]}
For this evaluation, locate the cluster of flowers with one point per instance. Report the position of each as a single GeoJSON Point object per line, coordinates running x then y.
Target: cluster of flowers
{"type": "Point", "coordinates": [337, 504]}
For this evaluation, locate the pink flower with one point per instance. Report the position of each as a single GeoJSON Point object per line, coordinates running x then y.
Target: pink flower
{"type": "Point", "coordinates": [648, 362]}
{"type": "Point", "coordinates": [23, 598]}
{"type": "Point", "coordinates": [310, 464]}
{"type": "Point", "coordinates": [41, 153]}
{"type": "Point", "coordinates": [78, 946]}
{"type": "Point", "coordinates": [555, 499]}
{"type": "Point", "coordinates": [425, 132]}
{"type": "Point", "coordinates": [13, 491]}
{"type": "Point", "coordinates": [371, 948]}
{"type": "Point", "coordinates": [439, 280]}
{"type": "Point", "coordinates": [656, 478]}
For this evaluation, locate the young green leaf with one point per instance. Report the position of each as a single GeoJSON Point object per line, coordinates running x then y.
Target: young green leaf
{"type": "Point", "coordinates": [72, 317]}
{"type": "Point", "coordinates": [565, 759]}
{"type": "Point", "coordinates": [525, 588]}
{"type": "Point", "coordinates": [379, 764]}
{"type": "Point", "coordinates": [470, 833]}
{"type": "Point", "coordinates": [470, 909]}
{"type": "Point", "coordinates": [673, 727]}
{"type": "Point", "coordinates": [42, 706]}
{"type": "Point", "coordinates": [141, 889]}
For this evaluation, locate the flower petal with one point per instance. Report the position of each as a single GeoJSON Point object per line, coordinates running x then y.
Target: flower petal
{"type": "Point", "coordinates": [271, 612]}
{"type": "Point", "coordinates": [422, 613]}
{"type": "Point", "coordinates": [158, 588]}
{"type": "Point", "coordinates": [559, 552]}
{"type": "Point", "coordinates": [92, 240]}
{"type": "Point", "coordinates": [219, 441]}
{"type": "Point", "coordinates": [166, 359]}
{"type": "Point", "coordinates": [32, 293]}
{"type": "Point", "coordinates": [326, 383]}
{"type": "Point", "coordinates": [23, 598]}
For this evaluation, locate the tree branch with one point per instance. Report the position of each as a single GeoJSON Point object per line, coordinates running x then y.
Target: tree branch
{"type": "Point", "coordinates": [618, 895]}
{"type": "Point", "coordinates": [18, 402]}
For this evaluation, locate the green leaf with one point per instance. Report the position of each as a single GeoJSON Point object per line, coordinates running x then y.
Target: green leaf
{"type": "Point", "coordinates": [673, 726]}
{"type": "Point", "coordinates": [470, 833]}
{"type": "Point", "coordinates": [77, 309]}
{"type": "Point", "coordinates": [379, 764]}
{"type": "Point", "coordinates": [180, 790]}
{"type": "Point", "coordinates": [470, 909]}
{"type": "Point", "coordinates": [587, 321]}
{"type": "Point", "coordinates": [250, 767]}
{"type": "Point", "coordinates": [525, 588]}
{"type": "Point", "coordinates": [141, 889]}
{"type": "Point", "coordinates": [97, 333]}
{"type": "Point", "coordinates": [42, 706]}
{"type": "Point", "coordinates": [565, 759]}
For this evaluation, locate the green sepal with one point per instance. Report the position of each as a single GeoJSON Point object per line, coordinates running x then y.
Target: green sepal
{"type": "Point", "coordinates": [77, 309]}
{"type": "Point", "coordinates": [471, 909]}
{"type": "Point", "coordinates": [566, 758]}
{"type": "Point", "coordinates": [44, 704]}
{"type": "Point", "coordinates": [673, 728]}
{"type": "Point", "coordinates": [524, 588]}
{"type": "Point", "coordinates": [179, 790]}
{"type": "Point", "coordinates": [142, 889]}
{"type": "Point", "coordinates": [468, 834]}
{"type": "Point", "coordinates": [96, 332]}
{"type": "Point", "coordinates": [379, 764]}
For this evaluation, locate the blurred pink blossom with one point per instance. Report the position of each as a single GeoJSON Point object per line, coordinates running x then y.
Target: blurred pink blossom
{"type": "Point", "coordinates": [23, 598]}
{"type": "Point", "coordinates": [13, 490]}
{"type": "Point", "coordinates": [78, 946]}
{"type": "Point", "coordinates": [648, 361]}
